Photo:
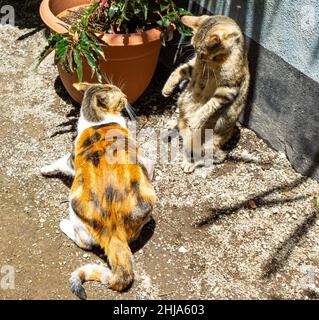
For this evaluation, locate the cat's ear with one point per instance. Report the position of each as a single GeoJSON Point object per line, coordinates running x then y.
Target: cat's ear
{"type": "Point", "coordinates": [215, 38]}
{"type": "Point", "coordinates": [193, 22]}
{"type": "Point", "coordinates": [82, 86]}
{"type": "Point", "coordinates": [102, 97]}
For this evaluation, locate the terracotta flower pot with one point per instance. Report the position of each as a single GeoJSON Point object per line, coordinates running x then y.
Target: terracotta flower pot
{"type": "Point", "coordinates": [131, 59]}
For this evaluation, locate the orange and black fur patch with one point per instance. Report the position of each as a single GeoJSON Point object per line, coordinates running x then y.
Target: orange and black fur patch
{"type": "Point", "coordinates": [111, 194]}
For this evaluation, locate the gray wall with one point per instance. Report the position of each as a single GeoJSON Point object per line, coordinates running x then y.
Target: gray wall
{"type": "Point", "coordinates": [289, 28]}
{"type": "Point", "coordinates": [283, 47]}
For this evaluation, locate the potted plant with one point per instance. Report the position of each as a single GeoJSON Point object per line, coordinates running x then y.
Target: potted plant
{"type": "Point", "coordinates": [114, 41]}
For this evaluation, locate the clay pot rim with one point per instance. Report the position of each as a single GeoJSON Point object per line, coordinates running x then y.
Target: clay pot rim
{"type": "Point", "coordinates": [131, 39]}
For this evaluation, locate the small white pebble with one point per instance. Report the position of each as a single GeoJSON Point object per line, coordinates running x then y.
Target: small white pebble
{"type": "Point", "coordinates": [182, 250]}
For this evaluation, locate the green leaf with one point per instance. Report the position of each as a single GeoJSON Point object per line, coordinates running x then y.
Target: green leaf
{"type": "Point", "coordinates": [90, 59]}
{"type": "Point", "coordinates": [112, 11]}
{"type": "Point", "coordinates": [78, 63]}
{"type": "Point", "coordinates": [86, 15]}
{"type": "Point", "coordinates": [61, 48]}
{"type": "Point", "coordinates": [94, 44]}
{"type": "Point", "coordinates": [98, 72]}
{"type": "Point", "coordinates": [166, 23]}
{"type": "Point", "coordinates": [144, 5]}
{"type": "Point", "coordinates": [97, 48]}
{"type": "Point", "coordinates": [184, 12]}
{"type": "Point", "coordinates": [53, 39]}
{"type": "Point", "coordinates": [182, 29]}
{"type": "Point", "coordinates": [164, 6]}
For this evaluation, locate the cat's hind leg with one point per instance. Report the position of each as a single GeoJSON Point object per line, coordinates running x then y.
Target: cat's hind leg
{"type": "Point", "coordinates": [74, 229]}
{"type": "Point", "coordinates": [63, 165]}
{"type": "Point", "coordinates": [219, 141]}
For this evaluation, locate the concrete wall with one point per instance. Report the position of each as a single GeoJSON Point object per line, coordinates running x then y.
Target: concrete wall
{"type": "Point", "coordinates": [289, 28]}
{"type": "Point", "coordinates": [283, 47]}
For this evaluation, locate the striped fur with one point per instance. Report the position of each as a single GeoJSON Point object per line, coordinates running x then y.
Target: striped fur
{"type": "Point", "coordinates": [111, 196]}
{"type": "Point", "coordinates": [218, 84]}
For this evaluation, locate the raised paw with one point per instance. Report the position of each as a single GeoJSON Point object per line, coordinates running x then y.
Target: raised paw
{"type": "Point", "coordinates": [166, 92]}
{"type": "Point", "coordinates": [196, 123]}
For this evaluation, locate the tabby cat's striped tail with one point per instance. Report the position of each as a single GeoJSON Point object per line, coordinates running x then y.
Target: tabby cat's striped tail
{"type": "Point", "coordinates": [118, 278]}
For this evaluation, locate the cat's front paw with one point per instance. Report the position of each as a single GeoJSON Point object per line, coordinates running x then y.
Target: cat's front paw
{"type": "Point", "coordinates": [195, 123]}
{"type": "Point", "coordinates": [188, 167]}
{"type": "Point", "coordinates": [48, 171]}
{"type": "Point", "coordinates": [166, 92]}
{"type": "Point", "coordinates": [219, 156]}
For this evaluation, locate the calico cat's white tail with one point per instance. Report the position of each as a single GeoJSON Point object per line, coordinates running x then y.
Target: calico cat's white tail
{"type": "Point", "coordinates": [89, 272]}
{"type": "Point", "coordinates": [119, 278]}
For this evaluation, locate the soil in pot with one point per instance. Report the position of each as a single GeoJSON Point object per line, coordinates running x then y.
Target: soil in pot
{"type": "Point", "coordinates": [72, 15]}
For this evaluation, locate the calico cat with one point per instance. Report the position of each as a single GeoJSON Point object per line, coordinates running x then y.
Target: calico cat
{"type": "Point", "coordinates": [111, 196]}
{"type": "Point", "coordinates": [218, 85]}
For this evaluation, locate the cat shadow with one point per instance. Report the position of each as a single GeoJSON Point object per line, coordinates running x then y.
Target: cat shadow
{"type": "Point", "coordinates": [234, 140]}
{"type": "Point", "coordinates": [146, 234]}
{"type": "Point", "coordinates": [67, 181]}
{"type": "Point", "coordinates": [63, 94]}
{"type": "Point", "coordinates": [70, 125]}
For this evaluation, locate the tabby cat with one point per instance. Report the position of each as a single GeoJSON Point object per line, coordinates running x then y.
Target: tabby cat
{"type": "Point", "coordinates": [218, 85]}
{"type": "Point", "coordinates": [111, 196]}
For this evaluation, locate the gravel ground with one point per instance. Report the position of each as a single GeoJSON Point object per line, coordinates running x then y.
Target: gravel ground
{"type": "Point", "coordinates": [248, 229]}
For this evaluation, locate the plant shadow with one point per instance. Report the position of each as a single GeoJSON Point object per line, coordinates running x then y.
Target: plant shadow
{"type": "Point", "coordinates": [282, 253]}
{"type": "Point", "coordinates": [70, 125]}
{"type": "Point", "coordinates": [26, 13]}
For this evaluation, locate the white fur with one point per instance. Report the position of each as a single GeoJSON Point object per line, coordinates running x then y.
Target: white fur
{"type": "Point", "coordinates": [84, 124]}
{"type": "Point", "coordinates": [61, 165]}
{"type": "Point", "coordinates": [90, 269]}
{"type": "Point", "coordinates": [77, 231]}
